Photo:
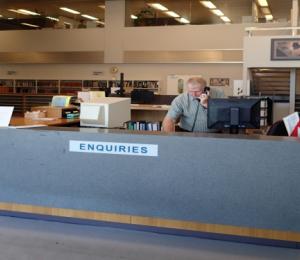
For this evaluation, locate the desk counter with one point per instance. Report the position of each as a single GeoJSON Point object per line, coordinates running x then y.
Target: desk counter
{"type": "Point", "coordinates": [246, 187]}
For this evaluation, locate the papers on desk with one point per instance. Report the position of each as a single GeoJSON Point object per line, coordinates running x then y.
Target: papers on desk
{"type": "Point", "coordinates": [5, 116]}
{"type": "Point", "coordinates": [292, 123]}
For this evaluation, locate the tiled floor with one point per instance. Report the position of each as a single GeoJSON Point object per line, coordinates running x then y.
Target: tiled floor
{"type": "Point", "coordinates": [40, 240]}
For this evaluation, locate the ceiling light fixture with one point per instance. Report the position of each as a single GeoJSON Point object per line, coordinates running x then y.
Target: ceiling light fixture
{"type": "Point", "coordinates": [23, 11]}
{"type": "Point", "coordinates": [182, 20]}
{"type": "Point", "coordinates": [66, 9]}
{"type": "Point", "coordinates": [225, 19]}
{"type": "Point", "coordinates": [263, 3]}
{"type": "Point", "coordinates": [269, 17]}
{"type": "Point", "coordinates": [208, 4]}
{"type": "Point", "coordinates": [133, 17]}
{"type": "Point", "coordinates": [100, 22]}
{"type": "Point", "coordinates": [158, 6]}
{"type": "Point", "coordinates": [52, 18]}
{"type": "Point", "coordinates": [101, 6]}
{"type": "Point", "coordinates": [30, 25]}
{"type": "Point", "coordinates": [172, 14]}
{"type": "Point", "coordinates": [218, 12]}
{"type": "Point", "coordinates": [90, 17]}
{"type": "Point", "coordinates": [10, 18]}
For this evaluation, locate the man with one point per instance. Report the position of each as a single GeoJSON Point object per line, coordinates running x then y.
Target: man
{"type": "Point", "coordinates": [190, 108]}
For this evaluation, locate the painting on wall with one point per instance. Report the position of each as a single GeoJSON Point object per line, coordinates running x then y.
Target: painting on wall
{"type": "Point", "coordinates": [285, 49]}
{"type": "Point", "coordinates": [219, 82]}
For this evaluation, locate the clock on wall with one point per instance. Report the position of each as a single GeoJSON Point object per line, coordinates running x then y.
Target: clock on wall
{"type": "Point", "coordinates": [114, 70]}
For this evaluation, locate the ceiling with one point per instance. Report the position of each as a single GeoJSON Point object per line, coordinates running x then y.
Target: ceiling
{"type": "Point", "coordinates": [237, 10]}
{"type": "Point", "coordinates": [47, 8]}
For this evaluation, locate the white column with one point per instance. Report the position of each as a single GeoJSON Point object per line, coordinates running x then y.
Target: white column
{"type": "Point", "coordinates": [294, 16]}
{"type": "Point", "coordinates": [114, 27]}
{"type": "Point", "coordinates": [292, 90]}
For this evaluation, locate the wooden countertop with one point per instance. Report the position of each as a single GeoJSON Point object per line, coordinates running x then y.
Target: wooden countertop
{"type": "Point", "coordinates": [21, 121]}
{"type": "Point", "coordinates": [149, 107]}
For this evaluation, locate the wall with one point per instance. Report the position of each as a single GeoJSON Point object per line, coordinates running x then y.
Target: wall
{"type": "Point", "coordinates": [257, 53]}
{"type": "Point", "coordinates": [132, 71]}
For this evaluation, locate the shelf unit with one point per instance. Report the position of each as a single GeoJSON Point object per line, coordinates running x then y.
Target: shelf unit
{"type": "Point", "coordinates": [71, 87]}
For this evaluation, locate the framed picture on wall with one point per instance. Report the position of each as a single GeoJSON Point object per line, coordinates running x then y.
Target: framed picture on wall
{"type": "Point", "coordinates": [285, 49]}
{"type": "Point", "coordinates": [219, 82]}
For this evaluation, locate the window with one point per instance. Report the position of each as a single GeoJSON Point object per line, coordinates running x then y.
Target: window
{"type": "Point", "coordinates": [32, 14]}
{"type": "Point", "coordinates": [181, 12]}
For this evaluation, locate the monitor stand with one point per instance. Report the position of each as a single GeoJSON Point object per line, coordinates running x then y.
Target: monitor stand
{"type": "Point", "coordinates": [234, 120]}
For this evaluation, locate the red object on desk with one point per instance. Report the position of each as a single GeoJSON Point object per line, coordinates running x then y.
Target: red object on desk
{"type": "Point", "coordinates": [295, 131]}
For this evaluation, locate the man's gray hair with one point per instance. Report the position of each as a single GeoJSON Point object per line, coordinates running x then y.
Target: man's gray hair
{"type": "Point", "coordinates": [197, 81]}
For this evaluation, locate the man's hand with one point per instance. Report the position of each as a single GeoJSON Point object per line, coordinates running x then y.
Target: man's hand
{"type": "Point", "coordinates": [204, 99]}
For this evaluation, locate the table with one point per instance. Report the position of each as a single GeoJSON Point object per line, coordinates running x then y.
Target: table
{"type": "Point", "coordinates": [21, 121]}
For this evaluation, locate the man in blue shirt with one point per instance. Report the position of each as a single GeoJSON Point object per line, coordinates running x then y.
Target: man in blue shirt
{"type": "Point", "coordinates": [190, 108]}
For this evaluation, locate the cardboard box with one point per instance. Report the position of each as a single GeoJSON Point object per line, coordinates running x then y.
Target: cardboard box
{"type": "Point", "coordinates": [53, 112]}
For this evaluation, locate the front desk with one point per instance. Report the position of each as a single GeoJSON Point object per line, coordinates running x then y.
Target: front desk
{"type": "Point", "coordinates": [225, 187]}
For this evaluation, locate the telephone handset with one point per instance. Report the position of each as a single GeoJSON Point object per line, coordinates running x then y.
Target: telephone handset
{"type": "Point", "coordinates": [206, 90]}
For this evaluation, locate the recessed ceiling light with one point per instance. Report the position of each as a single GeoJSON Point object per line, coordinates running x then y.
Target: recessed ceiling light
{"type": "Point", "coordinates": [23, 11]}
{"type": "Point", "coordinates": [101, 6]}
{"type": "Point", "coordinates": [133, 17]}
{"type": "Point", "coordinates": [52, 18]}
{"type": "Point", "coordinates": [30, 25]}
{"type": "Point", "coordinates": [100, 22]}
{"type": "Point", "coordinates": [218, 12]}
{"type": "Point", "coordinates": [158, 6]}
{"type": "Point", "coordinates": [89, 17]}
{"type": "Point", "coordinates": [225, 19]}
{"type": "Point", "coordinates": [66, 9]}
{"type": "Point", "coordinates": [182, 20]}
{"type": "Point", "coordinates": [10, 18]}
{"type": "Point", "coordinates": [208, 4]}
{"type": "Point", "coordinates": [172, 14]}
{"type": "Point", "coordinates": [269, 17]}
{"type": "Point", "coordinates": [263, 3]}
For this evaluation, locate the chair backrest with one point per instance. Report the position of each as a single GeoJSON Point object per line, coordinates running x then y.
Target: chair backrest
{"type": "Point", "coordinates": [278, 129]}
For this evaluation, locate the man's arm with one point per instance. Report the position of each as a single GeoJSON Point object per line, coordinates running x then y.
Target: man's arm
{"type": "Point", "coordinates": [168, 124]}
{"type": "Point", "coordinates": [173, 115]}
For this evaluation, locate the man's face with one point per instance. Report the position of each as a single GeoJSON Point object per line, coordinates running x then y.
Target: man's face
{"type": "Point", "coordinates": [195, 90]}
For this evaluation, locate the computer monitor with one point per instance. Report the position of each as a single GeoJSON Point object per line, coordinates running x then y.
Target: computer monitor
{"type": "Point", "coordinates": [234, 114]}
{"type": "Point", "coordinates": [107, 112]}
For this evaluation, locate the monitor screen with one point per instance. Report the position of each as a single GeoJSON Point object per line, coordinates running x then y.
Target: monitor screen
{"type": "Point", "coordinates": [234, 113]}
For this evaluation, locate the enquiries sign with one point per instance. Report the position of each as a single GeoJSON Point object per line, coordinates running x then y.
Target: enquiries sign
{"type": "Point", "coordinates": [114, 148]}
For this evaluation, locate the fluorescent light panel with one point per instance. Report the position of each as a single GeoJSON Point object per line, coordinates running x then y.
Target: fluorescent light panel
{"type": "Point", "coordinates": [66, 9]}
{"type": "Point", "coordinates": [52, 18]}
{"type": "Point", "coordinates": [263, 3]}
{"type": "Point", "coordinates": [225, 19]}
{"type": "Point", "coordinates": [182, 20]}
{"type": "Point", "coordinates": [158, 6]}
{"type": "Point", "coordinates": [23, 11]}
{"type": "Point", "coordinates": [100, 22]}
{"type": "Point", "coordinates": [133, 17]}
{"type": "Point", "coordinates": [208, 4]}
{"type": "Point", "coordinates": [269, 17]}
{"type": "Point", "coordinates": [89, 17]}
{"type": "Point", "coordinates": [218, 12]}
{"type": "Point", "coordinates": [172, 14]}
{"type": "Point", "coordinates": [30, 25]}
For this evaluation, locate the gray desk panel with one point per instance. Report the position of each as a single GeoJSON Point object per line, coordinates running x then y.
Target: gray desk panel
{"type": "Point", "coordinates": [240, 182]}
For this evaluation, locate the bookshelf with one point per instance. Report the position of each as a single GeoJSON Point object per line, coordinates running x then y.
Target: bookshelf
{"type": "Point", "coordinates": [48, 87]}
{"type": "Point", "coordinates": [71, 87]}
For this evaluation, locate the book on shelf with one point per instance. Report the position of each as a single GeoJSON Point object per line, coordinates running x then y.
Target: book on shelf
{"type": "Point", "coordinates": [142, 126]}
